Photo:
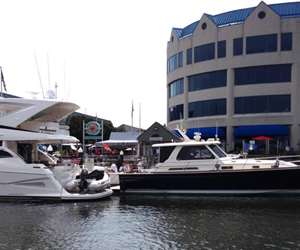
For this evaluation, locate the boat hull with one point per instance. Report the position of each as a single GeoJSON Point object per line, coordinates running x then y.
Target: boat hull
{"type": "Point", "coordinates": [60, 197]}
{"type": "Point", "coordinates": [253, 181]}
{"type": "Point", "coordinates": [37, 184]}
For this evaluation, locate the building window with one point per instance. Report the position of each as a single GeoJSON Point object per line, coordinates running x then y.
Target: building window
{"type": "Point", "coordinates": [207, 108]}
{"type": "Point", "coordinates": [286, 41]}
{"type": "Point", "coordinates": [176, 88]}
{"type": "Point", "coordinates": [189, 56]}
{"type": "Point", "coordinates": [221, 49]}
{"type": "Point", "coordinates": [204, 26]}
{"type": "Point", "coordinates": [176, 112]}
{"type": "Point", "coordinates": [180, 59]}
{"type": "Point", "coordinates": [262, 104]}
{"type": "Point", "coordinates": [261, 15]}
{"type": "Point", "coordinates": [238, 46]}
{"type": "Point", "coordinates": [214, 79]}
{"type": "Point", "coordinates": [204, 52]}
{"type": "Point", "coordinates": [175, 62]}
{"type": "Point", "coordinates": [261, 44]}
{"type": "Point", "coordinates": [263, 74]}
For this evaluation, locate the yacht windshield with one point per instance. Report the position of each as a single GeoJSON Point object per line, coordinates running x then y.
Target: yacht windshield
{"type": "Point", "coordinates": [218, 151]}
{"type": "Point", "coordinates": [164, 153]}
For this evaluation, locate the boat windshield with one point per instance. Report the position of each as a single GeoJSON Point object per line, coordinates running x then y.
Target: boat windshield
{"type": "Point", "coordinates": [218, 151]}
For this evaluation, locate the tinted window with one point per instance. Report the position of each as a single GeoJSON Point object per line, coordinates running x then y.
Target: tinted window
{"type": "Point", "coordinates": [260, 44]}
{"type": "Point", "coordinates": [222, 49]}
{"type": "Point", "coordinates": [180, 59]}
{"type": "Point", "coordinates": [194, 153]}
{"type": "Point", "coordinates": [176, 88]}
{"type": "Point", "coordinates": [238, 46]}
{"type": "Point", "coordinates": [218, 151]}
{"type": "Point", "coordinates": [175, 62]}
{"type": "Point", "coordinates": [204, 52]}
{"type": "Point", "coordinates": [262, 104]}
{"type": "Point", "coordinates": [176, 112]}
{"type": "Point", "coordinates": [286, 41]}
{"type": "Point", "coordinates": [164, 153]}
{"type": "Point", "coordinates": [263, 74]}
{"type": "Point", "coordinates": [207, 80]}
{"type": "Point", "coordinates": [189, 56]}
{"type": "Point", "coordinates": [4, 154]}
{"type": "Point", "coordinates": [207, 108]}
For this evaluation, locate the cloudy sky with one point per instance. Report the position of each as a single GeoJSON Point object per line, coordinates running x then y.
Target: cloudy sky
{"type": "Point", "coordinates": [102, 54]}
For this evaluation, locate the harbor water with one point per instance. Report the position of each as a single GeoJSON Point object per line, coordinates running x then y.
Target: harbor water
{"type": "Point", "coordinates": [153, 222]}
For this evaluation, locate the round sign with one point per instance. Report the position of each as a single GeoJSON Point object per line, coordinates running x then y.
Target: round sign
{"type": "Point", "coordinates": [93, 128]}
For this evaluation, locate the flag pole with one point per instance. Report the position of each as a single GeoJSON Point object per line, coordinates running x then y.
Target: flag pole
{"type": "Point", "coordinates": [132, 109]}
{"type": "Point", "coordinates": [83, 137]}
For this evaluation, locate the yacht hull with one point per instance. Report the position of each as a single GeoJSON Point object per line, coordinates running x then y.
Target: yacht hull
{"type": "Point", "coordinates": [40, 184]}
{"type": "Point", "coordinates": [224, 182]}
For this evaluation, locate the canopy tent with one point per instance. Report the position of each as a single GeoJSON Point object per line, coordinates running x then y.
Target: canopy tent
{"type": "Point", "coordinates": [257, 130]}
{"type": "Point", "coordinates": [209, 132]}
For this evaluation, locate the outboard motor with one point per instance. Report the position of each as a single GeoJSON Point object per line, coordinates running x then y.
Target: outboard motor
{"type": "Point", "coordinates": [83, 184]}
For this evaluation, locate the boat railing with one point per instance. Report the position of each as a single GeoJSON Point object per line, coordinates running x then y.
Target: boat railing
{"type": "Point", "coordinates": [289, 158]}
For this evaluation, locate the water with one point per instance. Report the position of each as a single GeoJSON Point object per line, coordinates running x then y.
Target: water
{"type": "Point", "coordinates": [153, 222]}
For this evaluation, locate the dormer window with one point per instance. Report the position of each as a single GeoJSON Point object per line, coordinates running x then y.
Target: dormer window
{"type": "Point", "coordinates": [261, 15]}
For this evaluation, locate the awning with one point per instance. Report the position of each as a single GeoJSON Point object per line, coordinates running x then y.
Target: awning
{"type": "Point", "coordinates": [262, 138]}
{"type": "Point", "coordinates": [209, 132]}
{"type": "Point", "coordinates": [261, 130]}
{"type": "Point", "coordinates": [117, 142]}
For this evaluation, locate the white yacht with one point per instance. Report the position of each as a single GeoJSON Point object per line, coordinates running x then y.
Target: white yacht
{"type": "Point", "coordinates": [24, 124]}
{"type": "Point", "coordinates": [203, 167]}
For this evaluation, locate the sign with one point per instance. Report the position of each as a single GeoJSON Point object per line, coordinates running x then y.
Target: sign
{"type": "Point", "coordinates": [93, 130]}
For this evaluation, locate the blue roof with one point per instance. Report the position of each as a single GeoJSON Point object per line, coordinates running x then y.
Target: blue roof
{"type": "Point", "coordinates": [124, 136]}
{"type": "Point", "coordinates": [284, 10]}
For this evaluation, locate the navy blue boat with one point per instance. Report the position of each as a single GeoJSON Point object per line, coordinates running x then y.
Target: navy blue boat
{"type": "Point", "coordinates": [202, 167]}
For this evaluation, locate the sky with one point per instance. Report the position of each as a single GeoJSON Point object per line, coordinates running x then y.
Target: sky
{"type": "Point", "coordinates": [103, 55]}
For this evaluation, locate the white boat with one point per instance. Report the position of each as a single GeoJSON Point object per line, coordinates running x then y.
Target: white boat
{"type": "Point", "coordinates": [33, 122]}
{"type": "Point", "coordinates": [202, 167]}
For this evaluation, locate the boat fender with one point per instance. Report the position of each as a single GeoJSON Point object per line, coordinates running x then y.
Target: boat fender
{"type": "Point", "coordinates": [72, 186]}
{"type": "Point", "coordinates": [96, 186]}
{"type": "Point", "coordinates": [277, 163]}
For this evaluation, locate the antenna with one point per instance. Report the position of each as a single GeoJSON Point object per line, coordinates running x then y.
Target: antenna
{"type": "Point", "coordinates": [48, 63]}
{"type": "Point", "coordinates": [132, 110]}
{"type": "Point", "coordinates": [140, 116]}
{"type": "Point", "coordinates": [56, 86]}
{"type": "Point", "coordinates": [39, 74]}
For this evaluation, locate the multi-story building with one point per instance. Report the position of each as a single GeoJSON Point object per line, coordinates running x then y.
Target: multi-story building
{"type": "Point", "coordinates": [238, 74]}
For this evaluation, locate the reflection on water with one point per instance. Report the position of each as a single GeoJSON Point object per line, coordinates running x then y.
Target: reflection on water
{"type": "Point", "coordinates": [153, 222]}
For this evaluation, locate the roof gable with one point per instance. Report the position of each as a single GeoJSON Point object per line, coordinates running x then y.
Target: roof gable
{"type": "Point", "coordinates": [155, 130]}
{"type": "Point", "coordinates": [284, 10]}
{"type": "Point", "coordinates": [261, 18]}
